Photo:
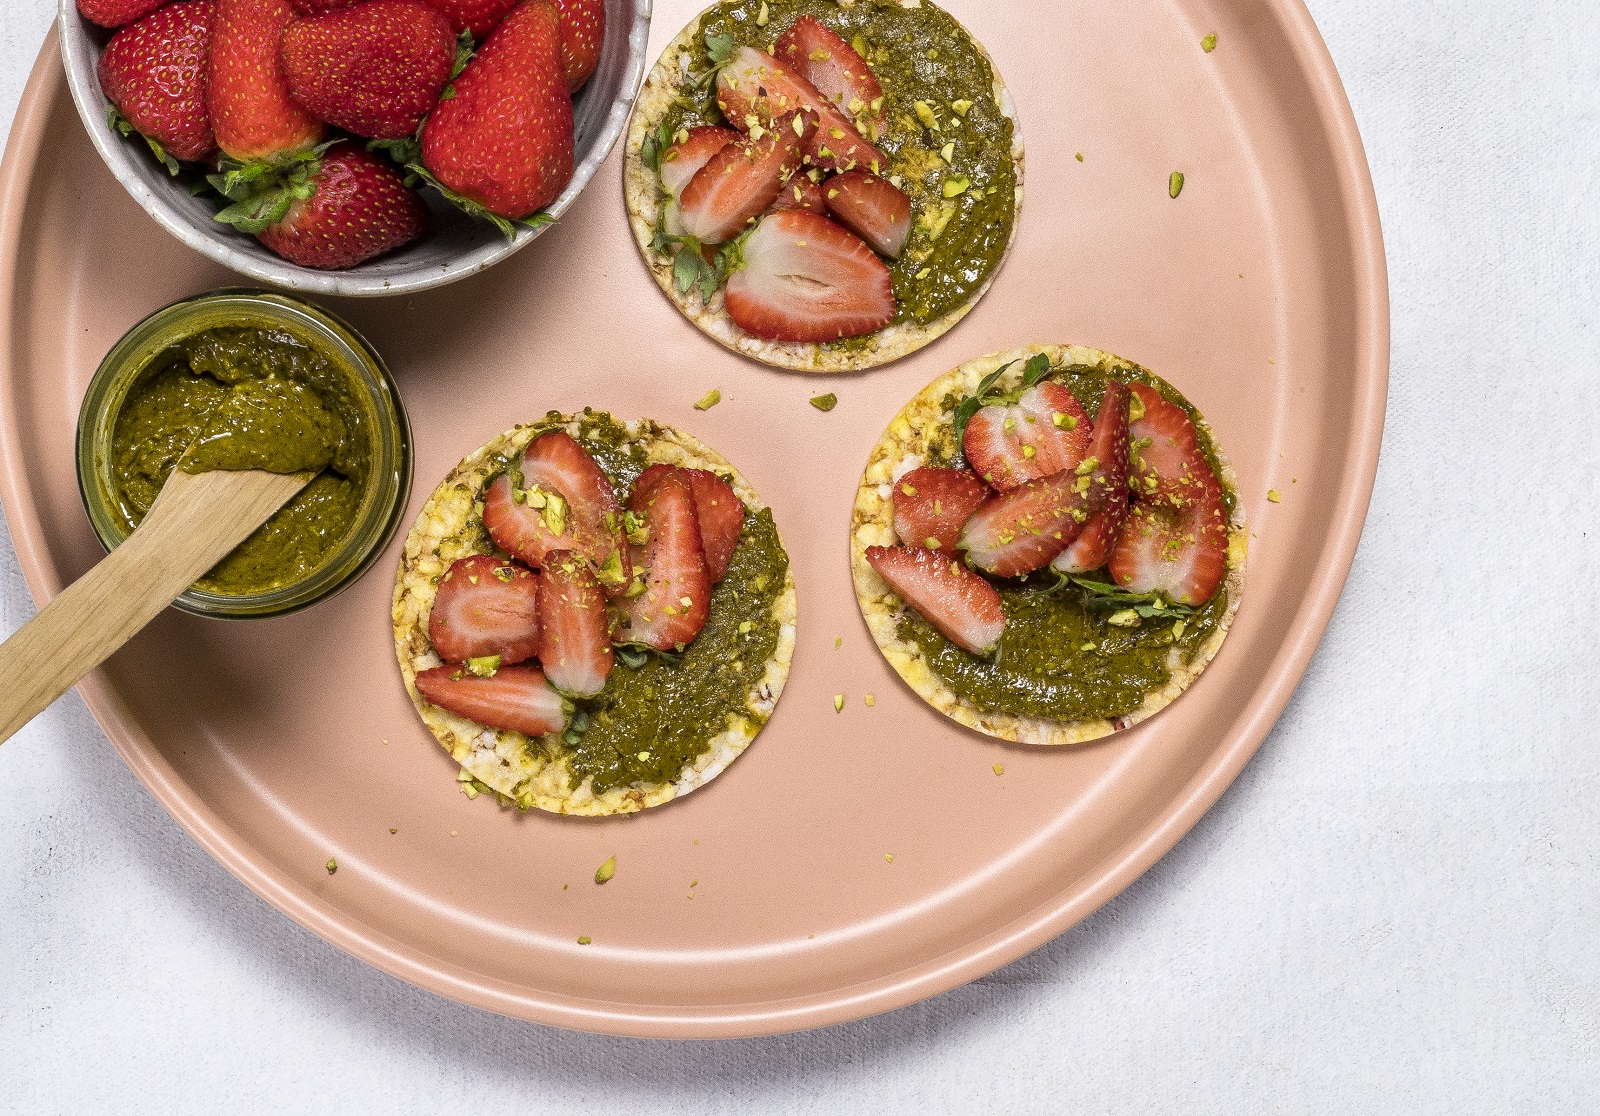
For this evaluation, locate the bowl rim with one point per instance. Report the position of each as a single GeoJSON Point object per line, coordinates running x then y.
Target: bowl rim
{"type": "Point", "coordinates": [92, 105]}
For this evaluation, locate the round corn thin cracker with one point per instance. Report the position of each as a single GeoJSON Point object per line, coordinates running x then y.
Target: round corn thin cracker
{"type": "Point", "coordinates": [902, 448]}
{"type": "Point", "coordinates": [644, 196]}
{"type": "Point", "coordinates": [535, 772]}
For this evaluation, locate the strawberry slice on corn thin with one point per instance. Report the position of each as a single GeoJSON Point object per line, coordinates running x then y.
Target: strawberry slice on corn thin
{"type": "Point", "coordinates": [964, 607]}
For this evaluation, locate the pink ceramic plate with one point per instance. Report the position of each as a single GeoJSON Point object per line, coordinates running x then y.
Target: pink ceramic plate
{"type": "Point", "coordinates": [767, 901]}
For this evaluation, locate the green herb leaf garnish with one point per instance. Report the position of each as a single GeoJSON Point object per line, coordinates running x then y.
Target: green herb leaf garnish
{"type": "Point", "coordinates": [1102, 597]}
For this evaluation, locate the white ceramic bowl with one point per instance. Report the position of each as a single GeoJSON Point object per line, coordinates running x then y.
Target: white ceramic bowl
{"type": "Point", "coordinates": [455, 247]}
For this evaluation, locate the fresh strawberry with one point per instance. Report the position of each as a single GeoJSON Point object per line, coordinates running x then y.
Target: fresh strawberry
{"type": "Point", "coordinates": [963, 606]}
{"type": "Point", "coordinates": [514, 698]}
{"type": "Point", "coordinates": [564, 502]}
{"type": "Point", "coordinates": [477, 16]}
{"type": "Point", "coordinates": [251, 110]}
{"type": "Point", "coordinates": [485, 606]}
{"type": "Point", "coordinates": [115, 13]}
{"type": "Point", "coordinates": [1168, 459]}
{"type": "Point", "coordinates": [503, 143]}
{"type": "Point", "coordinates": [1024, 528]}
{"type": "Point", "coordinates": [802, 193]}
{"type": "Point", "coordinates": [574, 629]}
{"type": "Point", "coordinates": [671, 568]}
{"type": "Point", "coordinates": [1110, 447]}
{"type": "Point", "coordinates": [873, 208]}
{"type": "Point", "coordinates": [717, 509]}
{"type": "Point", "coordinates": [322, 7]}
{"type": "Point", "coordinates": [681, 161]}
{"type": "Point", "coordinates": [583, 33]}
{"type": "Point", "coordinates": [756, 88]}
{"type": "Point", "coordinates": [1179, 550]}
{"type": "Point", "coordinates": [837, 71]}
{"type": "Point", "coordinates": [738, 183]}
{"type": "Point", "coordinates": [1045, 431]}
{"type": "Point", "coordinates": [1092, 549]}
{"type": "Point", "coordinates": [932, 504]}
{"type": "Point", "coordinates": [358, 207]}
{"type": "Point", "coordinates": [804, 278]}
{"type": "Point", "coordinates": [375, 70]}
{"type": "Point", "coordinates": [154, 72]}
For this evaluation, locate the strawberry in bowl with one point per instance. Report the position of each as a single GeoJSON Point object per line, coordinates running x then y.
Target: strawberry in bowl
{"type": "Point", "coordinates": [228, 119]}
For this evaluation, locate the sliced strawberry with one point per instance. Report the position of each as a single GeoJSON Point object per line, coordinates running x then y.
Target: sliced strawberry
{"type": "Point", "coordinates": [681, 161]}
{"type": "Point", "coordinates": [837, 71]}
{"type": "Point", "coordinates": [1179, 550]}
{"type": "Point", "coordinates": [668, 605]}
{"type": "Point", "coordinates": [756, 88]}
{"type": "Point", "coordinates": [963, 606]}
{"type": "Point", "coordinates": [738, 183]}
{"type": "Point", "coordinates": [932, 504]}
{"type": "Point", "coordinates": [717, 509]}
{"type": "Point", "coordinates": [805, 278]}
{"type": "Point", "coordinates": [1045, 431]}
{"type": "Point", "coordinates": [1169, 461]}
{"type": "Point", "coordinates": [874, 208]}
{"type": "Point", "coordinates": [574, 629]}
{"type": "Point", "coordinates": [1092, 549]}
{"type": "Point", "coordinates": [485, 606]}
{"type": "Point", "coordinates": [584, 517]}
{"type": "Point", "coordinates": [802, 193]}
{"type": "Point", "coordinates": [1024, 528]}
{"type": "Point", "coordinates": [515, 698]}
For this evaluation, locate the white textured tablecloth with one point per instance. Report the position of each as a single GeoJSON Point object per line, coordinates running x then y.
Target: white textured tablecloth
{"type": "Point", "coordinates": [1396, 909]}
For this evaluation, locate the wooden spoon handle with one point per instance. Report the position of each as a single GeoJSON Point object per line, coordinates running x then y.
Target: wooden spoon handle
{"type": "Point", "coordinates": [195, 522]}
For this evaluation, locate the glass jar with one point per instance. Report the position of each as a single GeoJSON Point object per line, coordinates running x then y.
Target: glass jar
{"type": "Point", "coordinates": [388, 483]}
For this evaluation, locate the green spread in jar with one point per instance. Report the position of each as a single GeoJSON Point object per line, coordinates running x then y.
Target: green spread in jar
{"type": "Point", "coordinates": [1058, 658]}
{"type": "Point", "coordinates": [248, 397]}
{"type": "Point", "coordinates": [963, 208]}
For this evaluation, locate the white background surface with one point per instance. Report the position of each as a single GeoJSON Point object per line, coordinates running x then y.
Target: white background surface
{"type": "Point", "coordinates": [1396, 909]}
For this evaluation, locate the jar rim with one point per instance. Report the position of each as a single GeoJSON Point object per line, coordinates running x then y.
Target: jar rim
{"type": "Point", "coordinates": [388, 486]}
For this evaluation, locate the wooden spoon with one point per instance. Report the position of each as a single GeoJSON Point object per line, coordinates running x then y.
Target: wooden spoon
{"type": "Point", "coordinates": [196, 520]}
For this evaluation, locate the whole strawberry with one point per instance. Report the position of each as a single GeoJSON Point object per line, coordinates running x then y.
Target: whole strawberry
{"type": "Point", "coordinates": [583, 32]}
{"type": "Point", "coordinates": [351, 208]}
{"type": "Point", "coordinates": [478, 16]}
{"type": "Point", "coordinates": [374, 70]}
{"type": "Point", "coordinates": [114, 13]}
{"type": "Point", "coordinates": [251, 110]}
{"type": "Point", "coordinates": [319, 7]}
{"type": "Point", "coordinates": [154, 73]}
{"type": "Point", "coordinates": [504, 141]}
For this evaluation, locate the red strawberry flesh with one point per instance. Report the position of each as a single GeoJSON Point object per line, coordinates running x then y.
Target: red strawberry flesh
{"type": "Point", "coordinates": [515, 698]}
{"type": "Point", "coordinates": [583, 33]}
{"type": "Point", "coordinates": [155, 72]}
{"type": "Point", "coordinates": [805, 278]}
{"type": "Point", "coordinates": [574, 628]}
{"type": "Point", "coordinates": [802, 193]}
{"type": "Point", "coordinates": [671, 568]}
{"type": "Point", "coordinates": [756, 88]}
{"type": "Point", "coordinates": [585, 509]}
{"type": "Point", "coordinates": [873, 208]}
{"type": "Point", "coordinates": [1044, 432]}
{"type": "Point", "coordinates": [931, 505]}
{"type": "Point", "coordinates": [485, 606]}
{"type": "Point", "coordinates": [477, 16]}
{"type": "Point", "coordinates": [1168, 449]}
{"type": "Point", "coordinates": [837, 71]}
{"type": "Point", "coordinates": [1180, 551]}
{"type": "Point", "coordinates": [964, 607]}
{"type": "Point", "coordinates": [115, 13]}
{"type": "Point", "coordinates": [740, 181]}
{"type": "Point", "coordinates": [375, 70]}
{"type": "Point", "coordinates": [680, 162]}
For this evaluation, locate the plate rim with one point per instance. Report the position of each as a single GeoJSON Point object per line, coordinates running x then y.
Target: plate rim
{"type": "Point", "coordinates": [47, 84]}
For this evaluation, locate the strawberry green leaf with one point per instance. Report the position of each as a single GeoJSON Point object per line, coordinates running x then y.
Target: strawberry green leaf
{"type": "Point", "coordinates": [124, 127]}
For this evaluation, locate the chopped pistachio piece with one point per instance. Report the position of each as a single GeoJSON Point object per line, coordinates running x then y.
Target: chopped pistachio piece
{"type": "Point", "coordinates": [838, 642]}
{"type": "Point", "coordinates": [393, 830]}
{"type": "Point", "coordinates": [1174, 184]}
{"type": "Point", "coordinates": [948, 154]}
{"type": "Point", "coordinates": [1078, 155]}
{"type": "Point", "coordinates": [709, 400]}
{"type": "Point", "coordinates": [483, 666]}
{"type": "Point", "coordinates": [1125, 618]}
{"type": "Point", "coordinates": [761, 16]}
{"type": "Point", "coordinates": [999, 769]}
{"type": "Point", "coordinates": [955, 187]}
{"type": "Point", "coordinates": [584, 939]}
{"type": "Point", "coordinates": [871, 700]}
{"type": "Point", "coordinates": [925, 114]}
{"type": "Point", "coordinates": [332, 866]}
{"type": "Point", "coordinates": [1207, 44]}
{"type": "Point", "coordinates": [606, 871]}
{"type": "Point", "coordinates": [838, 703]}
{"type": "Point", "coordinates": [1274, 495]}
{"type": "Point", "coordinates": [889, 857]}
{"type": "Point", "coordinates": [825, 402]}
{"type": "Point", "coordinates": [960, 107]}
